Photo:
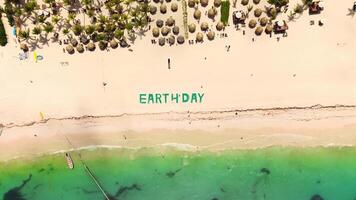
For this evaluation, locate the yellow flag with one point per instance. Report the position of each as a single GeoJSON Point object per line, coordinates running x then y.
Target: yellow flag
{"type": "Point", "coordinates": [42, 115]}
{"type": "Point", "coordinates": [35, 56]}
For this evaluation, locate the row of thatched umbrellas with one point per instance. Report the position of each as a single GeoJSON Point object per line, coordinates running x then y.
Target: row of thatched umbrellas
{"type": "Point", "coordinates": [203, 3]}
{"type": "Point", "coordinates": [169, 22]}
{"type": "Point", "coordinates": [192, 3]}
{"type": "Point", "coordinates": [70, 48]}
{"type": "Point", "coordinates": [175, 30]}
{"type": "Point", "coordinates": [180, 39]}
{"type": "Point", "coordinates": [263, 22]}
{"type": "Point", "coordinates": [171, 40]}
{"type": "Point", "coordinates": [163, 8]}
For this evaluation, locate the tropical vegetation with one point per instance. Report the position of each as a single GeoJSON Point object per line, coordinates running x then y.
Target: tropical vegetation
{"type": "Point", "coordinates": [278, 3]}
{"type": "Point", "coordinates": [3, 38]}
{"type": "Point", "coordinates": [122, 19]}
{"type": "Point", "coordinates": [225, 12]}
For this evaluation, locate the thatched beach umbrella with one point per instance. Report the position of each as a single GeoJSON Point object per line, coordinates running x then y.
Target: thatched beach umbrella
{"type": "Point", "coordinates": [91, 46]}
{"type": "Point", "coordinates": [211, 35]}
{"type": "Point", "coordinates": [204, 26]}
{"type": "Point", "coordinates": [170, 21]}
{"type": "Point", "coordinates": [211, 13]}
{"type": "Point", "coordinates": [263, 21]}
{"type": "Point", "coordinates": [252, 23]}
{"type": "Point", "coordinates": [161, 41]}
{"type": "Point", "coordinates": [165, 31]}
{"type": "Point", "coordinates": [199, 37]}
{"type": "Point", "coordinates": [163, 8]}
{"type": "Point", "coordinates": [180, 39]}
{"type": "Point", "coordinates": [175, 30]}
{"type": "Point", "coordinates": [74, 42]}
{"type": "Point", "coordinates": [84, 40]}
{"type": "Point", "coordinates": [114, 44]}
{"type": "Point", "coordinates": [171, 40]}
{"type": "Point", "coordinates": [257, 12]}
{"type": "Point", "coordinates": [204, 3]}
{"type": "Point", "coordinates": [191, 28]}
{"type": "Point", "coordinates": [259, 30]}
{"type": "Point", "coordinates": [168, 1]}
{"type": "Point", "coordinates": [123, 43]}
{"type": "Point", "coordinates": [155, 32]}
{"type": "Point", "coordinates": [256, 1]}
{"type": "Point", "coordinates": [153, 9]}
{"type": "Point", "coordinates": [217, 3]}
{"type": "Point", "coordinates": [24, 47]}
{"type": "Point", "coordinates": [269, 29]}
{"type": "Point", "coordinates": [80, 48]}
{"type": "Point", "coordinates": [159, 23]}
{"type": "Point", "coordinates": [156, 1]}
{"type": "Point", "coordinates": [70, 49]}
{"type": "Point", "coordinates": [244, 2]}
{"type": "Point", "coordinates": [102, 45]}
{"type": "Point", "coordinates": [197, 14]}
{"type": "Point", "coordinates": [174, 7]}
{"type": "Point", "coordinates": [272, 12]}
{"type": "Point", "coordinates": [191, 3]}
{"type": "Point", "coordinates": [220, 26]}
{"type": "Point", "coordinates": [100, 28]}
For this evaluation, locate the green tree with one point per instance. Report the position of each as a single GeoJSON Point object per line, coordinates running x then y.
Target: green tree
{"type": "Point", "coordinates": [24, 34]}
{"type": "Point", "coordinates": [90, 29]}
{"type": "Point", "coordinates": [102, 19]}
{"type": "Point", "coordinates": [71, 16]}
{"type": "Point", "coordinates": [298, 8]}
{"type": "Point", "coordinates": [48, 27]}
{"type": "Point", "coordinates": [3, 38]}
{"type": "Point", "coordinates": [37, 30]}
{"type": "Point", "coordinates": [30, 6]}
{"type": "Point", "coordinates": [56, 19]}
{"type": "Point", "coordinates": [278, 3]}
{"type": "Point", "coordinates": [77, 29]}
{"type": "Point", "coordinates": [118, 34]}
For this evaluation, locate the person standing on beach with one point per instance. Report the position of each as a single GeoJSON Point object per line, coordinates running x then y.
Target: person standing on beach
{"type": "Point", "coordinates": [169, 63]}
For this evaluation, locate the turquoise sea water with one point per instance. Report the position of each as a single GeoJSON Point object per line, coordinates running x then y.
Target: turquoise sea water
{"type": "Point", "coordinates": [271, 173]}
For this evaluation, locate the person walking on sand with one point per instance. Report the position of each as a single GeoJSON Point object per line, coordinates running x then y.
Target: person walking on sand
{"type": "Point", "coordinates": [169, 63]}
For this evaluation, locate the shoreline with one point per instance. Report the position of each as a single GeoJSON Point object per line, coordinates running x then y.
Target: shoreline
{"type": "Point", "coordinates": [313, 127]}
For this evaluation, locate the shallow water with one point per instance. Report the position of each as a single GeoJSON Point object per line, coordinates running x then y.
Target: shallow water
{"type": "Point", "coordinates": [272, 173]}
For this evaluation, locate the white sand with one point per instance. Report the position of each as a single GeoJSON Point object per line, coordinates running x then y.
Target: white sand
{"type": "Point", "coordinates": [187, 131]}
{"type": "Point", "coordinates": [256, 74]}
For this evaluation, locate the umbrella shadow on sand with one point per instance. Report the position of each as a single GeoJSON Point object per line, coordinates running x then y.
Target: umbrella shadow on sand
{"type": "Point", "coordinates": [15, 193]}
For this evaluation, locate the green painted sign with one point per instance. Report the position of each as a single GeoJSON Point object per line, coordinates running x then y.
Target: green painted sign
{"type": "Point", "coordinates": [175, 98]}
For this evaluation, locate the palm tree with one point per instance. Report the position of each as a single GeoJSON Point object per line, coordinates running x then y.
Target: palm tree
{"type": "Point", "coordinates": [37, 30]}
{"type": "Point", "coordinates": [86, 3]}
{"type": "Point", "coordinates": [55, 19]}
{"type": "Point", "coordinates": [24, 34]}
{"type": "Point", "coordinates": [48, 27]}
{"type": "Point", "coordinates": [279, 3]}
{"type": "Point", "coordinates": [118, 34]}
{"type": "Point", "coordinates": [77, 29]}
{"type": "Point", "coordinates": [90, 29]}
{"type": "Point", "coordinates": [30, 6]}
{"type": "Point", "coordinates": [298, 8]}
{"type": "Point", "coordinates": [65, 32]}
{"type": "Point", "coordinates": [71, 16]}
{"type": "Point", "coordinates": [110, 27]}
{"type": "Point", "coordinates": [102, 19]}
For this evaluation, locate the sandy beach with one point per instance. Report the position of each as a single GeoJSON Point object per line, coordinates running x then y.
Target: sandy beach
{"type": "Point", "coordinates": [314, 65]}
{"type": "Point", "coordinates": [194, 131]}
